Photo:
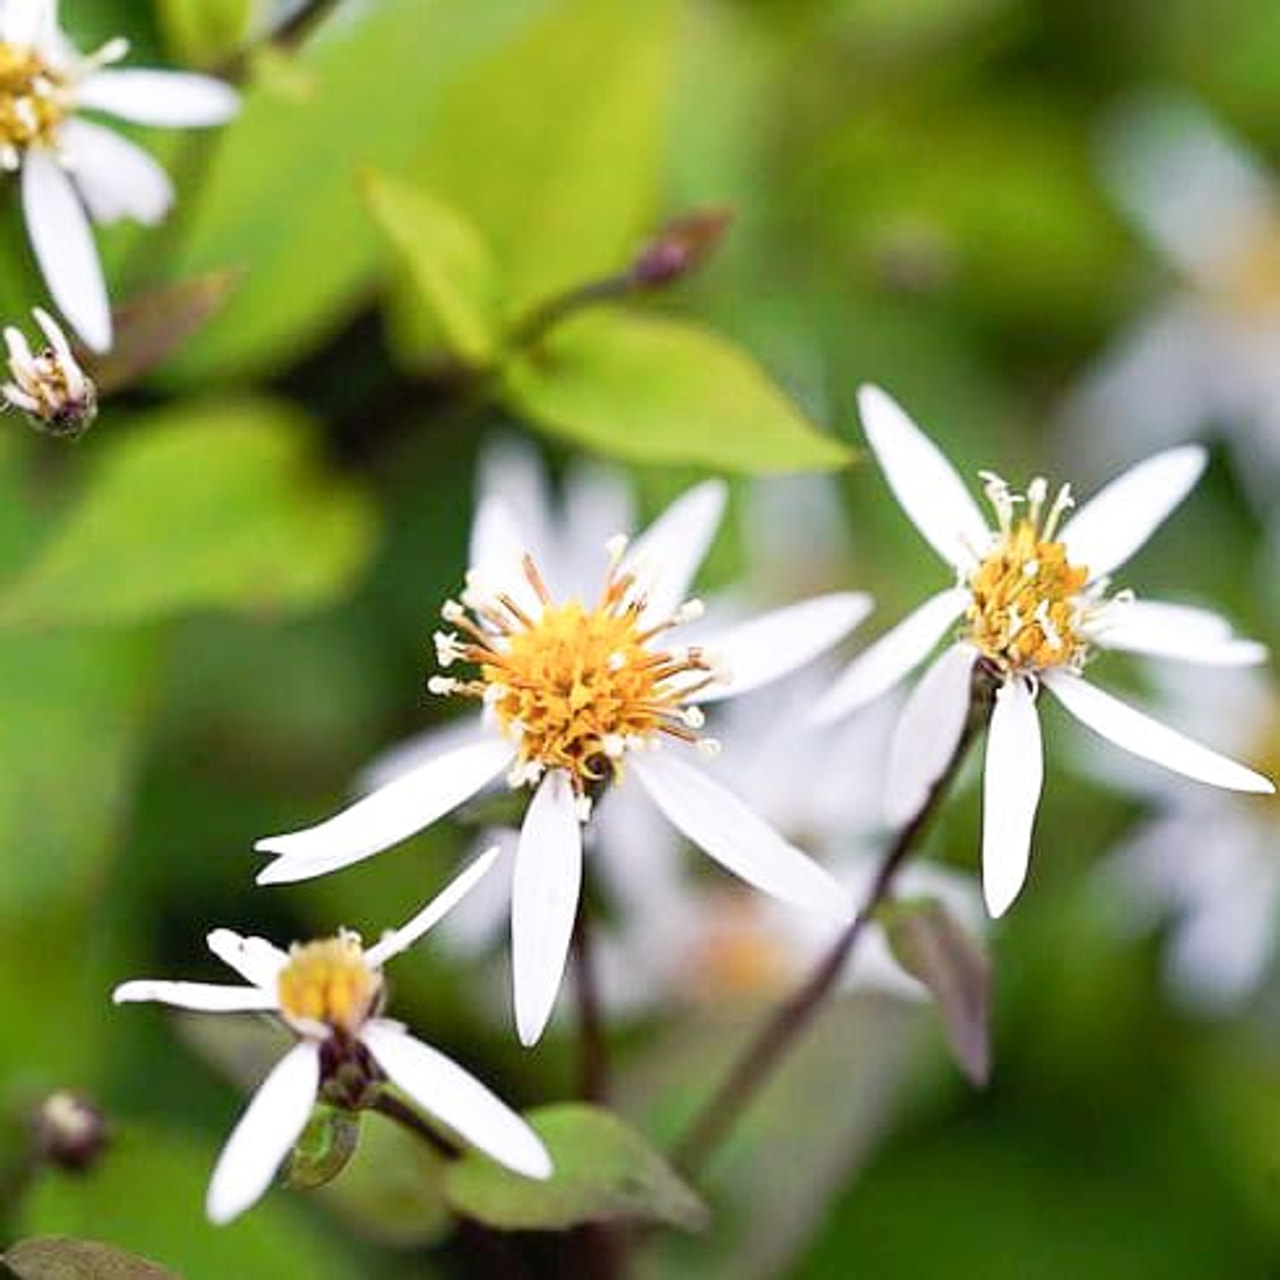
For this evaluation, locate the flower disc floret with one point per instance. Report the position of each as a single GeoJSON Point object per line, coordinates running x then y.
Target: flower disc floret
{"type": "Point", "coordinates": [330, 982]}
{"type": "Point", "coordinates": [33, 101]}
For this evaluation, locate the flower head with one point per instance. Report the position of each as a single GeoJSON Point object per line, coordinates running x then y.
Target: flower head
{"type": "Point", "coordinates": [330, 994]}
{"type": "Point", "coordinates": [48, 385]}
{"type": "Point", "coordinates": [1031, 605]}
{"type": "Point", "coordinates": [74, 170]}
{"type": "Point", "coordinates": [580, 691]}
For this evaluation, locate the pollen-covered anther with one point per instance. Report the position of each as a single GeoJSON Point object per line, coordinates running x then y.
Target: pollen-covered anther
{"type": "Point", "coordinates": [34, 101]}
{"type": "Point", "coordinates": [330, 983]}
{"type": "Point", "coordinates": [1028, 601]}
{"type": "Point", "coordinates": [575, 686]}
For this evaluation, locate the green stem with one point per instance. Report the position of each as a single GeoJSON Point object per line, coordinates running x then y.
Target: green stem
{"type": "Point", "coordinates": [387, 1104]}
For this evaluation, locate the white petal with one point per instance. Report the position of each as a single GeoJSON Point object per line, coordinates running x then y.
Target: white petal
{"type": "Point", "coordinates": [27, 22]}
{"type": "Point", "coordinates": [882, 664]}
{"type": "Point", "coordinates": [927, 733]}
{"type": "Point", "coordinates": [723, 827]}
{"type": "Point", "coordinates": [1175, 631]}
{"type": "Point", "coordinates": [498, 550]}
{"type": "Point", "coordinates": [1011, 784]}
{"type": "Point", "coordinates": [544, 902]}
{"type": "Point", "coordinates": [412, 801]}
{"type": "Point", "coordinates": [117, 178]}
{"type": "Point", "coordinates": [597, 506]}
{"type": "Point", "coordinates": [255, 959]}
{"type": "Point", "coordinates": [923, 481]}
{"type": "Point", "coordinates": [475, 925]}
{"type": "Point", "coordinates": [1116, 521]}
{"type": "Point", "coordinates": [511, 472]}
{"type": "Point", "coordinates": [179, 99]}
{"type": "Point", "coordinates": [431, 744]}
{"type": "Point", "coordinates": [444, 1089]}
{"type": "Point", "coordinates": [1131, 729]}
{"type": "Point", "coordinates": [265, 1133]}
{"type": "Point", "coordinates": [203, 996]}
{"type": "Point", "coordinates": [1220, 953]}
{"type": "Point", "coordinates": [396, 940]}
{"type": "Point", "coordinates": [776, 643]}
{"type": "Point", "coordinates": [63, 244]}
{"type": "Point", "coordinates": [668, 554]}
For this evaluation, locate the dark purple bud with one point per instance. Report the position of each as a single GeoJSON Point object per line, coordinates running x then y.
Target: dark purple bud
{"type": "Point", "coordinates": [70, 1132]}
{"type": "Point", "coordinates": [680, 247]}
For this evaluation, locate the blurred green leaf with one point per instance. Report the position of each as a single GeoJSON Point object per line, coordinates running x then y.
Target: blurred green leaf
{"type": "Point", "coordinates": [655, 390]}
{"type": "Point", "coordinates": [553, 145]}
{"type": "Point", "coordinates": [604, 1172]}
{"type": "Point", "coordinates": [60, 1258]}
{"type": "Point", "coordinates": [448, 265]}
{"type": "Point", "coordinates": [203, 32]}
{"type": "Point", "coordinates": [324, 1148]}
{"type": "Point", "coordinates": [931, 945]}
{"type": "Point", "coordinates": [214, 506]}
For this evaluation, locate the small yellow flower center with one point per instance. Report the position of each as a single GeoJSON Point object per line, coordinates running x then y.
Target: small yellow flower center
{"type": "Point", "coordinates": [330, 982]}
{"type": "Point", "coordinates": [33, 100]}
{"type": "Point", "coordinates": [1251, 283]}
{"type": "Point", "coordinates": [738, 956]}
{"type": "Point", "coordinates": [574, 686]}
{"type": "Point", "coordinates": [1027, 598]}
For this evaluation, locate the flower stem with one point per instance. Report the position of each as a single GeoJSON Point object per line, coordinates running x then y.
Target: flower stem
{"type": "Point", "coordinates": [712, 1124]}
{"type": "Point", "coordinates": [593, 1065]}
{"type": "Point", "coordinates": [389, 1105]}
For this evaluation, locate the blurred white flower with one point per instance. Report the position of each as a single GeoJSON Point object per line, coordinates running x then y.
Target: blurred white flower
{"type": "Point", "coordinates": [576, 695]}
{"type": "Point", "coordinates": [1032, 603]}
{"type": "Point", "coordinates": [48, 385]}
{"type": "Point", "coordinates": [74, 170]}
{"type": "Point", "coordinates": [1208, 863]}
{"type": "Point", "coordinates": [330, 995]}
{"type": "Point", "coordinates": [1208, 355]}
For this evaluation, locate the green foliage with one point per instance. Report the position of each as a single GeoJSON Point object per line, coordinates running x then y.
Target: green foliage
{"type": "Point", "coordinates": [324, 1148]}
{"type": "Point", "coordinates": [203, 32]}
{"type": "Point", "coordinates": [65, 1259]}
{"type": "Point", "coordinates": [604, 1172]}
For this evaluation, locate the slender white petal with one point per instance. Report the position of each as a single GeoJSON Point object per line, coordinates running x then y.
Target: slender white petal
{"type": "Point", "coordinates": [596, 507]}
{"type": "Point", "coordinates": [1175, 631]}
{"type": "Point", "coordinates": [406, 805]}
{"type": "Point", "coordinates": [498, 550]}
{"type": "Point", "coordinates": [396, 940]}
{"type": "Point", "coordinates": [881, 665]}
{"type": "Point", "coordinates": [1117, 520]}
{"type": "Point", "coordinates": [265, 1134]}
{"type": "Point", "coordinates": [444, 1089]}
{"type": "Point", "coordinates": [431, 744]}
{"type": "Point", "coordinates": [923, 481]}
{"type": "Point", "coordinates": [1012, 778]}
{"type": "Point", "coordinates": [544, 901]}
{"type": "Point", "coordinates": [927, 733]}
{"type": "Point", "coordinates": [668, 554]}
{"type": "Point", "coordinates": [179, 99]}
{"type": "Point", "coordinates": [204, 996]}
{"type": "Point", "coordinates": [511, 471]}
{"type": "Point", "coordinates": [776, 643]}
{"type": "Point", "coordinates": [714, 819]}
{"type": "Point", "coordinates": [117, 178]}
{"type": "Point", "coordinates": [255, 959]}
{"type": "Point", "coordinates": [26, 22]}
{"type": "Point", "coordinates": [1134, 731]}
{"type": "Point", "coordinates": [63, 243]}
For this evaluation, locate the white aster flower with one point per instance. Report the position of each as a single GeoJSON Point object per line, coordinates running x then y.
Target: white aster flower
{"type": "Point", "coordinates": [74, 170]}
{"type": "Point", "coordinates": [48, 385]}
{"type": "Point", "coordinates": [574, 696]}
{"type": "Point", "coordinates": [1209, 353]}
{"type": "Point", "coordinates": [330, 995]}
{"type": "Point", "coordinates": [1031, 604]}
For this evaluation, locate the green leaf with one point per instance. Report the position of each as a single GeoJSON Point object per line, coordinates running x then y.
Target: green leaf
{"type": "Point", "coordinates": [203, 32]}
{"type": "Point", "coordinates": [653, 390]}
{"type": "Point", "coordinates": [216, 506]}
{"type": "Point", "coordinates": [553, 145]}
{"type": "Point", "coordinates": [448, 265]}
{"type": "Point", "coordinates": [66, 1259]}
{"type": "Point", "coordinates": [604, 1172]}
{"type": "Point", "coordinates": [324, 1148]}
{"type": "Point", "coordinates": [931, 945]}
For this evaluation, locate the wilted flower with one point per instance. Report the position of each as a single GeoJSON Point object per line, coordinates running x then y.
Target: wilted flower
{"type": "Point", "coordinates": [1033, 601]}
{"type": "Point", "coordinates": [74, 170]}
{"type": "Point", "coordinates": [574, 694]}
{"type": "Point", "coordinates": [330, 995]}
{"type": "Point", "coordinates": [49, 386]}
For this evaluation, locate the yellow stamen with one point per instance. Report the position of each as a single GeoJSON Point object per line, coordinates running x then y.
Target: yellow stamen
{"type": "Point", "coordinates": [330, 982]}
{"type": "Point", "coordinates": [33, 99]}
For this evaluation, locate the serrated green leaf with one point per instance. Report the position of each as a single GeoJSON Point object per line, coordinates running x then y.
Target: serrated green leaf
{"type": "Point", "coordinates": [222, 506]}
{"type": "Point", "coordinates": [450, 271]}
{"type": "Point", "coordinates": [604, 1172]}
{"type": "Point", "coordinates": [324, 1148]}
{"type": "Point", "coordinates": [931, 945]}
{"type": "Point", "coordinates": [62, 1258]}
{"type": "Point", "coordinates": [648, 389]}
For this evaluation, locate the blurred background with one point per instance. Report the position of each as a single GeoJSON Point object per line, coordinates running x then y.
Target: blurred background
{"type": "Point", "coordinates": [218, 605]}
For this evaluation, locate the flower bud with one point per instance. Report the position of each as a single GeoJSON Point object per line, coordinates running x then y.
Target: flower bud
{"type": "Point", "coordinates": [70, 1132]}
{"type": "Point", "coordinates": [48, 386]}
{"type": "Point", "coordinates": [679, 248]}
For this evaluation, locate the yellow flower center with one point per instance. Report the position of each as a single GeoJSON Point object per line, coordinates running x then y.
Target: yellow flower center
{"type": "Point", "coordinates": [330, 982]}
{"type": "Point", "coordinates": [33, 101]}
{"type": "Point", "coordinates": [574, 686]}
{"type": "Point", "coordinates": [738, 956]}
{"type": "Point", "coordinates": [1027, 598]}
{"type": "Point", "coordinates": [1251, 282]}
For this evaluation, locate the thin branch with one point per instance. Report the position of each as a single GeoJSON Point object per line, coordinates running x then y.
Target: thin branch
{"type": "Point", "coordinates": [387, 1104]}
